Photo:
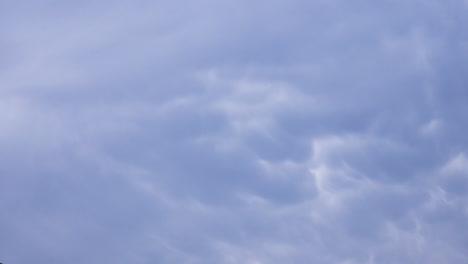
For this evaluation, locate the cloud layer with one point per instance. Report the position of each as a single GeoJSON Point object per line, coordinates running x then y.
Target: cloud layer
{"type": "Point", "coordinates": [234, 132]}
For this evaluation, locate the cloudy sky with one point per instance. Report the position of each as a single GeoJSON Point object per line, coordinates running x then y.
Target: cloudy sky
{"type": "Point", "coordinates": [234, 131]}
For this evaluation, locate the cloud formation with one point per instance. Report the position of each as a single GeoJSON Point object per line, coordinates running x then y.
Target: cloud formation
{"type": "Point", "coordinates": [234, 132]}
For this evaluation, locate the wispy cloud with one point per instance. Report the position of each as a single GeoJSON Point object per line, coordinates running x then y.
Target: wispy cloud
{"type": "Point", "coordinates": [233, 132]}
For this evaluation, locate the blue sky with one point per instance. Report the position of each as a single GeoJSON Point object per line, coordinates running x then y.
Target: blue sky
{"type": "Point", "coordinates": [225, 132]}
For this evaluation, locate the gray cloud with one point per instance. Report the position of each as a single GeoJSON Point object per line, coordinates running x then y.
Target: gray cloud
{"type": "Point", "coordinates": [233, 132]}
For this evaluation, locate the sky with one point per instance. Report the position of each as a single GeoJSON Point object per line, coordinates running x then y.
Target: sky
{"type": "Point", "coordinates": [234, 132]}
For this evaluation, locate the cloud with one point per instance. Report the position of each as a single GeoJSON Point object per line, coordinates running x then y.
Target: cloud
{"type": "Point", "coordinates": [233, 132]}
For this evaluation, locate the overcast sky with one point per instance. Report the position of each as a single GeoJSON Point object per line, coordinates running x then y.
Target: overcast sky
{"type": "Point", "coordinates": [234, 132]}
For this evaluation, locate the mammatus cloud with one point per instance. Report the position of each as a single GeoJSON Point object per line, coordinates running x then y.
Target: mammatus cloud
{"type": "Point", "coordinates": [233, 132]}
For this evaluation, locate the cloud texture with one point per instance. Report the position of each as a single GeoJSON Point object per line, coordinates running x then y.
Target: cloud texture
{"type": "Point", "coordinates": [257, 132]}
